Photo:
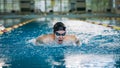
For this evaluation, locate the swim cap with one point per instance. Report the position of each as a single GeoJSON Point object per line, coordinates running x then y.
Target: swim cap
{"type": "Point", "coordinates": [59, 26]}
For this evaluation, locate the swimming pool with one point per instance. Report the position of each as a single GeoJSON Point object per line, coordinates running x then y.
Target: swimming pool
{"type": "Point", "coordinates": [100, 46]}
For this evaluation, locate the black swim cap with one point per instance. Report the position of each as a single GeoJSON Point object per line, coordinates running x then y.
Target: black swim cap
{"type": "Point", "coordinates": [59, 26]}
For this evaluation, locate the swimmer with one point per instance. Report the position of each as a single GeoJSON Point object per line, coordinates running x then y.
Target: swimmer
{"type": "Point", "coordinates": [59, 36]}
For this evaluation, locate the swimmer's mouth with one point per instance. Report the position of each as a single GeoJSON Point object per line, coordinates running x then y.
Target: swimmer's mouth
{"type": "Point", "coordinates": [60, 41]}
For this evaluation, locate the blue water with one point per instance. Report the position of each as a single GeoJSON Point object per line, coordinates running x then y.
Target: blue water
{"type": "Point", "coordinates": [99, 48]}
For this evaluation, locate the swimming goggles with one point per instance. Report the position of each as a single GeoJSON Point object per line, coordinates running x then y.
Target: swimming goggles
{"type": "Point", "coordinates": [58, 34]}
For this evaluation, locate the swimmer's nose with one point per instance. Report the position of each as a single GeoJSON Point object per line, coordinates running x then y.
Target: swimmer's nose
{"type": "Point", "coordinates": [61, 37]}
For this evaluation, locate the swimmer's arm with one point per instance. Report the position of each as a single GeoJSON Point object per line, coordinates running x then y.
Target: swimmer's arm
{"type": "Point", "coordinates": [39, 41]}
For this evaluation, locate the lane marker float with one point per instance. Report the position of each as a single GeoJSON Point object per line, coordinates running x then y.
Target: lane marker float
{"type": "Point", "coordinates": [106, 25]}
{"type": "Point", "coordinates": [15, 26]}
{"type": "Point", "coordinates": [102, 24]}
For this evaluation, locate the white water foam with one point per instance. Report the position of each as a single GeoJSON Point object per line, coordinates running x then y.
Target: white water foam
{"type": "Point", "coordinates": [33, 41]}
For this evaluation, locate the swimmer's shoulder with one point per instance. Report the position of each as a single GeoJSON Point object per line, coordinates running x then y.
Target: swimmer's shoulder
{"type": "Point", "coordinates": [73, 38]}
{"type": "Point", "coordinates": [49, 36]}
{"type": "Point", "coordinates": [45, 38]}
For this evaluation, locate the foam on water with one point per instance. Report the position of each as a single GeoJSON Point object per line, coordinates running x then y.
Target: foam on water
{"type": "Point", "coordinates": [33, 41]}
{"type": "Point", "coordinates": [83, 61]}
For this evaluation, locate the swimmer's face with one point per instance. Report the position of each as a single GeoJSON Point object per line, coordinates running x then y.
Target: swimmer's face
{"type": "Point", "coordinates": [60, 36]}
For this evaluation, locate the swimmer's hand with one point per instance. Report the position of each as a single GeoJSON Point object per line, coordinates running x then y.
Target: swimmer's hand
{"type": "Point", "coordinates": [77, 42]}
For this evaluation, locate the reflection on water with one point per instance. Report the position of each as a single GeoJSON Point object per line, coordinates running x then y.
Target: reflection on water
{"type": "Point", "coordinates": [90, 61]}
{"type": "Point", "coordinates": [9, 22]}
{"type": "Point", "coordinates": [99, 46]}
{"type": "Point", "coordinates": [33, 57]}
{"type": "Point", "coordinates": [55, 57]}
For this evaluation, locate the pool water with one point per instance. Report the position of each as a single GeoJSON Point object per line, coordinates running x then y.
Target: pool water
{"type": "Point", "coordinates": [99, 48]}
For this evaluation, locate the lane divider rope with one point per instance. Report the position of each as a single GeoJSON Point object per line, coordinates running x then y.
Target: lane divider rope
{"type": "Point", "coordinates": [23, 23]}
{"type": "Point", "coordinates": [106, 25]}
{"type": "Point", "coordinates": [15, 26]}
{"type": "Point", "coordinates": [102, 24]}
